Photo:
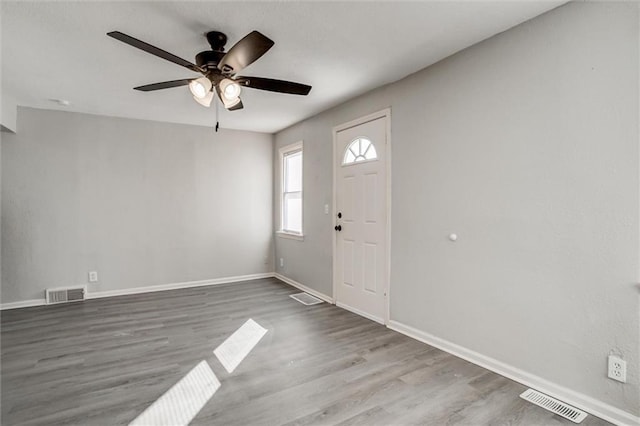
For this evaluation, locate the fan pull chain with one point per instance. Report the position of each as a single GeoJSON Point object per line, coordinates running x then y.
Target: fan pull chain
{"type": "Point", "coordinates": [217, 119]}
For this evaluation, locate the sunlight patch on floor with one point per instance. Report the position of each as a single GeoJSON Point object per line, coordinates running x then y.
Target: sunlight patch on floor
{"type": "Point", "coordinates": [232, 351]}
{"type": "Point", "coordinates": [180, 404]}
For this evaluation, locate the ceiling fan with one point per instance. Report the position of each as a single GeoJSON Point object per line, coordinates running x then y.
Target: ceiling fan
{"type": "Point", "coordinates": [219, 69]}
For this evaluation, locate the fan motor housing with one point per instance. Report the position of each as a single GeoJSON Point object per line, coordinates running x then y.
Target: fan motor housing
{"type": "Point", "coordinates": [209, 59]}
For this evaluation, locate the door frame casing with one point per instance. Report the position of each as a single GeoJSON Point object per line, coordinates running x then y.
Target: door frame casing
{"type": "Point", "coordinates": [386, 114]}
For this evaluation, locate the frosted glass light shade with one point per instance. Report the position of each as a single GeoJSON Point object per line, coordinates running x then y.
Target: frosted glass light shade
{"type": "Point", "coordinates": [230, 90]}
{"type": "Point", "coordinates": [200, 87]}
{"type": "Point", "coordinates": [206, 101]}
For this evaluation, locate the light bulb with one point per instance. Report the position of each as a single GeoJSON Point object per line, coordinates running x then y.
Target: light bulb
{"type": "Point", "coordinates": [230, 89]}
{"type": "Point", "coordinates": [198, 90]}
{"type": "Point", "coordinates": [200, 87]}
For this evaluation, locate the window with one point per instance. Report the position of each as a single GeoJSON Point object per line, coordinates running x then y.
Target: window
{"type": "Point", "coordinates": [360, 149]}
{"type": "Point", "coordinates": [291, 204]}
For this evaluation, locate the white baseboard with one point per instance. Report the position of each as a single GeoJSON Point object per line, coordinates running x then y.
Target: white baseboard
{"type": "Point", "coordinates": [304, 288]}
{"type": "Point", "coordinates": [176, 286]}
{"type": "Point", "coordinates": [22, 304]}
{"type": "Point", "coordinates": [579, 400]}
{"type": "Point", "coordinates": [147, 289]}
{"type": "Point", "coordinates": [359, 312]}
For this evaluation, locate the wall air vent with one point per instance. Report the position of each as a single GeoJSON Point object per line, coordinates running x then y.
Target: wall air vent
{"type": "Point", "coordinates": [558, 407]}
{"type": "Point", "coordinates": [63, 295]}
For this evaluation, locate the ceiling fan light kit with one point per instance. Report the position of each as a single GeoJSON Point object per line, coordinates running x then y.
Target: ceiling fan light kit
{"type": "Point", "coordinates": [219, 69]}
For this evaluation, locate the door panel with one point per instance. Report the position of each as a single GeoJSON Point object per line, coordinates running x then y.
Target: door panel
{"type": "Point", "coordinates": [348, 263]}
{"type": "Point", "coordinates": [371, 195]}
{"type": "Point", "coordinates": [370, 262]}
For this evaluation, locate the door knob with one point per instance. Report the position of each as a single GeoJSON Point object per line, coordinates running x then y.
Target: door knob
{"type": "Point", "coordinates": [339, 215]}
{"type": "Point", "coordinates": [338, 228]}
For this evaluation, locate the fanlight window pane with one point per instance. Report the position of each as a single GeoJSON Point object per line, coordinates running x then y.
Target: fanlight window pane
{"type": "Point", "coordinates": [349, 157]}
{"type": "Point", "coordinates": [360, 149]}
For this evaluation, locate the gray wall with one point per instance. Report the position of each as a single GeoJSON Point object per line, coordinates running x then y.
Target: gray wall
{"type": "Point", "coordinates": [526, 146]}
{"type": "Point", "coordinates": [141, 202]}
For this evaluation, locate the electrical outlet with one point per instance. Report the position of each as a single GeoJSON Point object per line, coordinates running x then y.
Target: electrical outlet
{"type": "Point", "coordinates": [617, 369]}
{"type": "Point", "coordinates": [93, 276]}
{"type": "Point", "coordinates": [281, 262]}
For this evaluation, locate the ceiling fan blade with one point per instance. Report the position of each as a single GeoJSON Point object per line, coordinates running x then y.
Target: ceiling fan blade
{"type": "Point", "coordinates": [164, 85]}
{"type": "Point", "coordinates": [154, 50]}
{"type": "Point", "coordinates": [272, 85]}
{"type": "Point", "coordinates": [245, 52]}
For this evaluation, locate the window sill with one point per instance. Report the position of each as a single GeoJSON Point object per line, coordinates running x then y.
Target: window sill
{"type": "Point", "coordinates": [290, 236]}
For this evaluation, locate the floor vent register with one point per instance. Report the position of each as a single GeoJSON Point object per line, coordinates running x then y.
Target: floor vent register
{"type": "Point", "coordinates": [558, 407]}
{"type": "Point", "coordinates": [306, 299]}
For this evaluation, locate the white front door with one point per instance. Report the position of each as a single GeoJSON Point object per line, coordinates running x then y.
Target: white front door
{"type": "Point", "coordinates": [360, 256]}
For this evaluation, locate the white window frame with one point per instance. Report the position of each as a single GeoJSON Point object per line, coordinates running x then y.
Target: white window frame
{"type": "Point", "coordinates": [284, 151]}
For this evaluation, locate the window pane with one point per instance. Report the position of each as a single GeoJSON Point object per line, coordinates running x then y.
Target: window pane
{"type": "Point", "coordinates": [370, 153]}
{"type": "Point", "coordinates": [293, 172]}
{"type": "Point", "coordinates": [349, 157]}
{"type": "Point", "coordinates": [292, 212]}
{"type": "Point", "coordinates": [364, 144]}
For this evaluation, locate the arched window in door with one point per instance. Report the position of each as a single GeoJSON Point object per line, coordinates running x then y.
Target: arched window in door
{"type": "Point", "coordinates": [360, 149]}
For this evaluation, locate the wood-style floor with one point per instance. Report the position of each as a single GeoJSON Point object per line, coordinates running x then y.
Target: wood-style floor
{"type": "Point", "coordinates": [102, 362]}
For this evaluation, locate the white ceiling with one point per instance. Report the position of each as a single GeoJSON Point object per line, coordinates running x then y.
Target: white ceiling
{"type": "Point", "coordinates": [59, 50]}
